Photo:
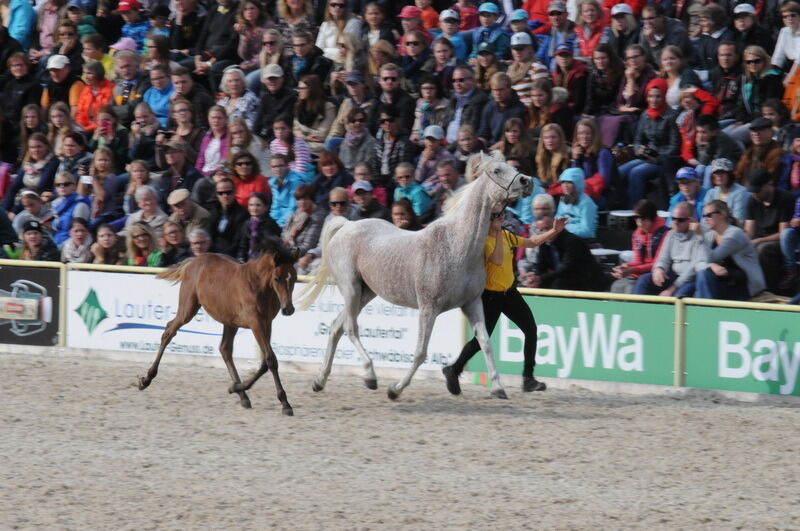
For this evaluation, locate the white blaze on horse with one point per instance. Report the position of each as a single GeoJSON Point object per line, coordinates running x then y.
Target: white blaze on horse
{"type": "Point", "coordinates": [434, 270]}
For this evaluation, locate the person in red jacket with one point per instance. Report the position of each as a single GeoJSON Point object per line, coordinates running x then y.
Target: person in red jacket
{"type": "Point", "coordinates": [645, 243]}
{"type": "Point", "coordinates": [95, 95]}
{"type": "Point", "coordinates": [695, 103]}
{"type": "Point", "coordinates": [247, 180]}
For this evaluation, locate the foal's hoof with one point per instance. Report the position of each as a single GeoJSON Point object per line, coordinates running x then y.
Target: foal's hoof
{"type": "Point", "coordinates": [288, 411]}
{"type": "Point", "coordinates": [371, 383]}
{"type": "Point", "coordinates": [498, 393]}
{"type": "Point", "coordinates": [143, 383]}
{"type": "Point", "coordinates": [316, 387]}
{"type": "Point", "coordinates": [392, 393]}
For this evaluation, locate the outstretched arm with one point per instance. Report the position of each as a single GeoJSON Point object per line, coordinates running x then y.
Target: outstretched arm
{"type": "Point", "coordinates": [539, 239]}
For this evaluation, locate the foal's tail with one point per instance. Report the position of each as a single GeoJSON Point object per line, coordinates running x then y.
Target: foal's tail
{"type": "Point", "coordinates": [175, 273]}
{"type": "Point", "coordinates": [322, 275]}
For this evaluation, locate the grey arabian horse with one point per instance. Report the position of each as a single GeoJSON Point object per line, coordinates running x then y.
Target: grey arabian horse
{"type": "Point", "coordinates": [435, 269]}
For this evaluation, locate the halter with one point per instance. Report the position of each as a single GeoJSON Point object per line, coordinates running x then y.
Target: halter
{"type": "Point", "coordinates": [505, 188]}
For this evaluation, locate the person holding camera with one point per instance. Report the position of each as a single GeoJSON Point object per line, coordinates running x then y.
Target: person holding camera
{"type": "Point", "coordinates": [108, 133]}
{"type": "Point", "coordinates": [656, 145]}
{"type": "Point", "coordinates": [143, 134]}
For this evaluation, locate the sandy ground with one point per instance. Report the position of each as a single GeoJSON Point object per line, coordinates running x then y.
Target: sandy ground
{"type": "Point", "coordinates": [80, 448]}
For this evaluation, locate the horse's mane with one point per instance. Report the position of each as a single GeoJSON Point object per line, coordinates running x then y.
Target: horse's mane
{"type": "Point", "coordinates": [473, 171]}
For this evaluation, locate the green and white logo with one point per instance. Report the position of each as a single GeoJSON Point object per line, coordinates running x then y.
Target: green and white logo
{"type": "Point", "coordinates": [90, 311]}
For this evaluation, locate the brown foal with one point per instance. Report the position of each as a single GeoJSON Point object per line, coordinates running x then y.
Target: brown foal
{"type": "Point", "coordinates": [238, 296]}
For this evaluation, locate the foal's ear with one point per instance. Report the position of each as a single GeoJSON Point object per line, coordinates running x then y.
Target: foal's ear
{"type": "Point", "coordinates": [296, 254]}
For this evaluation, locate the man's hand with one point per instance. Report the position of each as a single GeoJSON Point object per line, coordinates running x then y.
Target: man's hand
{"type": "Point", "coordinates": [659, 277]}
{"type": "Point", "coordinates": [669, 292]}
{"type": "Point", "coordinates": [718, 270]}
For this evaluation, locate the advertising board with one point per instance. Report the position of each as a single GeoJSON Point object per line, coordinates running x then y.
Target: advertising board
{"type": "Point", "coordinates": [29, 305]}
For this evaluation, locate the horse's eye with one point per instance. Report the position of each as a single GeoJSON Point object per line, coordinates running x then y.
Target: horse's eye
{"type": "Point", "coordinates": [497, 171]}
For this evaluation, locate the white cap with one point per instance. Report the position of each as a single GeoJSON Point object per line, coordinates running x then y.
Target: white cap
{"type": "Point", "coordinates": [449, 13]}
{"type": "Point", "coordinates": [521, 39]}
{"type": "Point", "coordinates": [433, 131]}
{"type": "Point", "coordinates": [272, 70]}
{"type": "Point", "coordinates": [744, 8]}
{"type": "Point", "coordinates": [57, 61]}
{"type": "Point", "coordinates": [620, 9]}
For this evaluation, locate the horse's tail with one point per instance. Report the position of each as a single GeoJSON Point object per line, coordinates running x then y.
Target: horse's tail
{"type": "Point", "coordinates": [175, 273]}
{"type": "Point", "coordinates": [322, 275]}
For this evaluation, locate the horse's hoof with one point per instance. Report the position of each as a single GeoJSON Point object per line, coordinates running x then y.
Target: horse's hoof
{"type": "Point", "coordinates": [499, 393]}
{"type": "Point", "coordinates": [288, 411]}
{"type": "Point", "coordinates": [371, 383]}
{"type": "Point", "coordinates": [316, 387]}
{"type": "Point", "coordinates": [246, 403]}
{"type": "Point", "coordinates": [392, 393]}
{"type": "Point", "coordinates": [143, 383]}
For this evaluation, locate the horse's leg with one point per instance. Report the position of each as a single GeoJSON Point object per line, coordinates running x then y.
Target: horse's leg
{"type": "Point", "coordinates": [185, 313]}
{"type": "Point", "coordinates": [337, 328]}
{"type": "Point", "coordinates": [474, 312]}
{"type": "Point", "coordinates": [351, 328]}
{"type": "Point", "coordinates": [270, 360]}
{"type": "Point", "coordinates": [427, 317]}
{"type": "Point", "coordinates": [226, 349]}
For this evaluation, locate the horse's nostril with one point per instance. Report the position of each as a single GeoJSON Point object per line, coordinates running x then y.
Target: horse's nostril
{"type": "Point", "coordinates": [524, 180]}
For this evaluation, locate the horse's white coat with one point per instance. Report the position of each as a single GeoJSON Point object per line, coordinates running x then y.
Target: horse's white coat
{"type": "Point", "coordinates": [434, 269]}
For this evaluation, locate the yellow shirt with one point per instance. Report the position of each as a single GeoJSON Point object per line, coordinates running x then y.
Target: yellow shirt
{"type": "Point", "coordinates": [501, 277]}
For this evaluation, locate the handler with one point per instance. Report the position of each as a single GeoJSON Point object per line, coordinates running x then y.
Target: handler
{"type": "Point", "coordinates": [500, 295]}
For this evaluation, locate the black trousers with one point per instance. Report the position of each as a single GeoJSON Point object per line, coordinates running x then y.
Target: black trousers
{"type": "Point", "coordinates": [515, 308]}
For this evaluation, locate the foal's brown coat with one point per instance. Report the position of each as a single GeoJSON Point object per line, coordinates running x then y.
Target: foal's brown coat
{"type": "Point", "coordinates": [238, 296]}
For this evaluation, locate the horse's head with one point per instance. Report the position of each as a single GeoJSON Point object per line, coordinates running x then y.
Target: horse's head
{"type": "Point", "coordinates": [283, 274]}
{"type": "Point", "coordinates": [511, 184]}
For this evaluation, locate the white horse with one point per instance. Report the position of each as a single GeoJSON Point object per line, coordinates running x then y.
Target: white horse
{"type": "Point", "coordinates": [434, 270]}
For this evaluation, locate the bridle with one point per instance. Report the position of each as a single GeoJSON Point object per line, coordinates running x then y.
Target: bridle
{"type": "Point", "coordinates": [507, 188]}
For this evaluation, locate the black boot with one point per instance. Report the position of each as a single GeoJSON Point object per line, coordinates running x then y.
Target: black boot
{"type": "Point", "coordinates": [529, 383]}
{"type": "Point", "coordinates": [451, 377]}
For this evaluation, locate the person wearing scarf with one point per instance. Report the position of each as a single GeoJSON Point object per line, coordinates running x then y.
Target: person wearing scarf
{"type": "Point", "coordinates": [656, 146]}
{"type": "Point", "coordinates": [260, 223]}
{"type": "Point", "coordinates": [78, 247]}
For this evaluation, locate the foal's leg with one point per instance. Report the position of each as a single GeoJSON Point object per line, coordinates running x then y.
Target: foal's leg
{"type": "Point", "coordinates": [474, 312]}
{"type": "Point", "coordinates": [270, 360]}
{"type": "Point", "coordinates": [185, 313]}
{"type": "Point", "coordinates": [226, 349]}
{"type": "Point", "coordinates": [427, 317]}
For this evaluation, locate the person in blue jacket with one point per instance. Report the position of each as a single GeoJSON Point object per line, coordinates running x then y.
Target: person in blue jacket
{"type": "Point", "coordinates": [159, 94]}
{"type": "Point", "coordinates": [689, 190]}
{"type": "Point", "coordinates": [576, 206]}
{"type": "Point", "coordinates": [21, 22]}
{"type": "Point", "coordinates": [410, 189]}
{"type": "Point", "coordinates": [490, 31]}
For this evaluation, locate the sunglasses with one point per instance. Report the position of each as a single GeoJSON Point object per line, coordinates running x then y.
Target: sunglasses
{"type": "Point", "coordinates": [497, 215]}
{"type": "Point", "coordinates": [224, 192]}
{"type": "Point", "coordinates": [709, 214]}
{"type": "Point", "coordinates": [554, 13]}
{"type": "Point", "coordinates": [412, 43]}
{"type": "Point", "coordinates": [337, 203]}
{"type": "Point", "coordinates": [753, 62]}
{"type": "Point", "coordinates": [243, 163]}
{"type": "Point", "coordinates": [386, 120]}
{"type": "Point", "coordinates": [336, 5]}
{"type": "Point", "coordinates": [389, 78]}
{"type": "Point", "coordinates": [268, 43]}
{"type": "Point", "coordinates": [680, 220]}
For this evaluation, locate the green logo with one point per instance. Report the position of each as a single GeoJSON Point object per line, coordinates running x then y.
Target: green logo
{"type": "Point", "coordinates": [90, 311]}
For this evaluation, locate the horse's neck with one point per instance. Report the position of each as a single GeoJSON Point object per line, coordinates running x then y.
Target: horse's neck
{"type": "Point", "coordinates": [469, 225]}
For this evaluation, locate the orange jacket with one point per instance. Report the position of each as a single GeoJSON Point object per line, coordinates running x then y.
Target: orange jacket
{"type": "Point", "coordinates": [90, 102]}
{"type": "Point", "coordinates": [245, 188]}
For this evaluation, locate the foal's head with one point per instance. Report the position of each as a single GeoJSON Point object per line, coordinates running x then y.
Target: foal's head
{"type": "Point", "coordinates": [282, 275]}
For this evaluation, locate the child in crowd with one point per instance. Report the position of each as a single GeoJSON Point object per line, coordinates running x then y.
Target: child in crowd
{"type": "Point", "coordinates": [135, 26]}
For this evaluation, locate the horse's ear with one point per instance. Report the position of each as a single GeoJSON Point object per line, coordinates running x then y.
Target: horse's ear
{"type": "Point", "coordinates": [296, 253]}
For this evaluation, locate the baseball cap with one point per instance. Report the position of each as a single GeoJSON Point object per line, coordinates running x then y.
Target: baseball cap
{"type": "Point", "coordinates": [362, 185]}
{"type": "Point", "coordinates": [744, 9]}
{"type": "Point", "coordinates": [433, 131]}
{"type": "Point", "coordinates": [410, 12]}
{"type": "Point", "coordinates": [74, 3]}
{"type": "Point", "coordinates": [621, 9]}
{"type": "Point", "coordinates": [521, 39]}
{"type": "Point", "coordinates": [558, 5]}
{"type": "Point", "coordinates": [488, 7]}
{"type": "Point", "coordinates": [176, 196]}
{"type": "Point", "coordinates": [721, 165]}
{"type": "Point", "coordinates": [176, 144]}
{"type": "Point", "coordinates": [125, 43]}
{"type": "Point", "coordinates": [32, 224]}
{"type": "Point", "coordinates": [686, 173]}
{"type": "Point", "coordinates": [563, 48]}
{"type": "Point", "coordinates": [57, 62]}
{"type": "Point", "coordinates": [354, 76]}
{"type": "Point", "coordinates": [486, 47]}
{"type": "Point", "coordinates": [449, 14]}
{"type": "Point", "coordinates": [272, 70]}
{"type": "Point", "coordinates": [519, 14]}
{"type": "Point", "coordinates": [756, 180]}
{"type": "Point", "coordinates": [760, 123]}
{"type": "Point", "coordinates": [127, 5]}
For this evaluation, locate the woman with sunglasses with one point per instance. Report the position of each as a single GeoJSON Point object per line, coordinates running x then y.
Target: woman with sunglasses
{"type": "Point", "coordinates": [271, 53]}
{"type": "Point", "coordinates": [358, 144]}
{"type": "Point", "coordinates": [338, 21]}
{"type": "Point", "coordinates": [728, 267]}
{"type": "Point", "coordinates": [142, 246]}
{"type": "Point", "coordinates": [351, 58]}
{"type": "Point", "coordinates": [501, 296]}
{"type": "Point", "coordinates": [68, 205]}
{"type": "Point", "coordinates": [414, 56]}
{"type": "Point", "coordinates": [760, 82]}
{"type": "Point", "coordinates": [248, 180]}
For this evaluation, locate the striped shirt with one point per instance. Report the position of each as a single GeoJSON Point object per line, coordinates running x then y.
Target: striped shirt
{"type": "Point", "coordinates": [537, 70]}
{"type": "Point", "coordinates": [302, 155]}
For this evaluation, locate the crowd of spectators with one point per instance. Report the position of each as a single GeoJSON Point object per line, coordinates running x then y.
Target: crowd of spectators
{"type": "Point", "coordinates": [142, 132]}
